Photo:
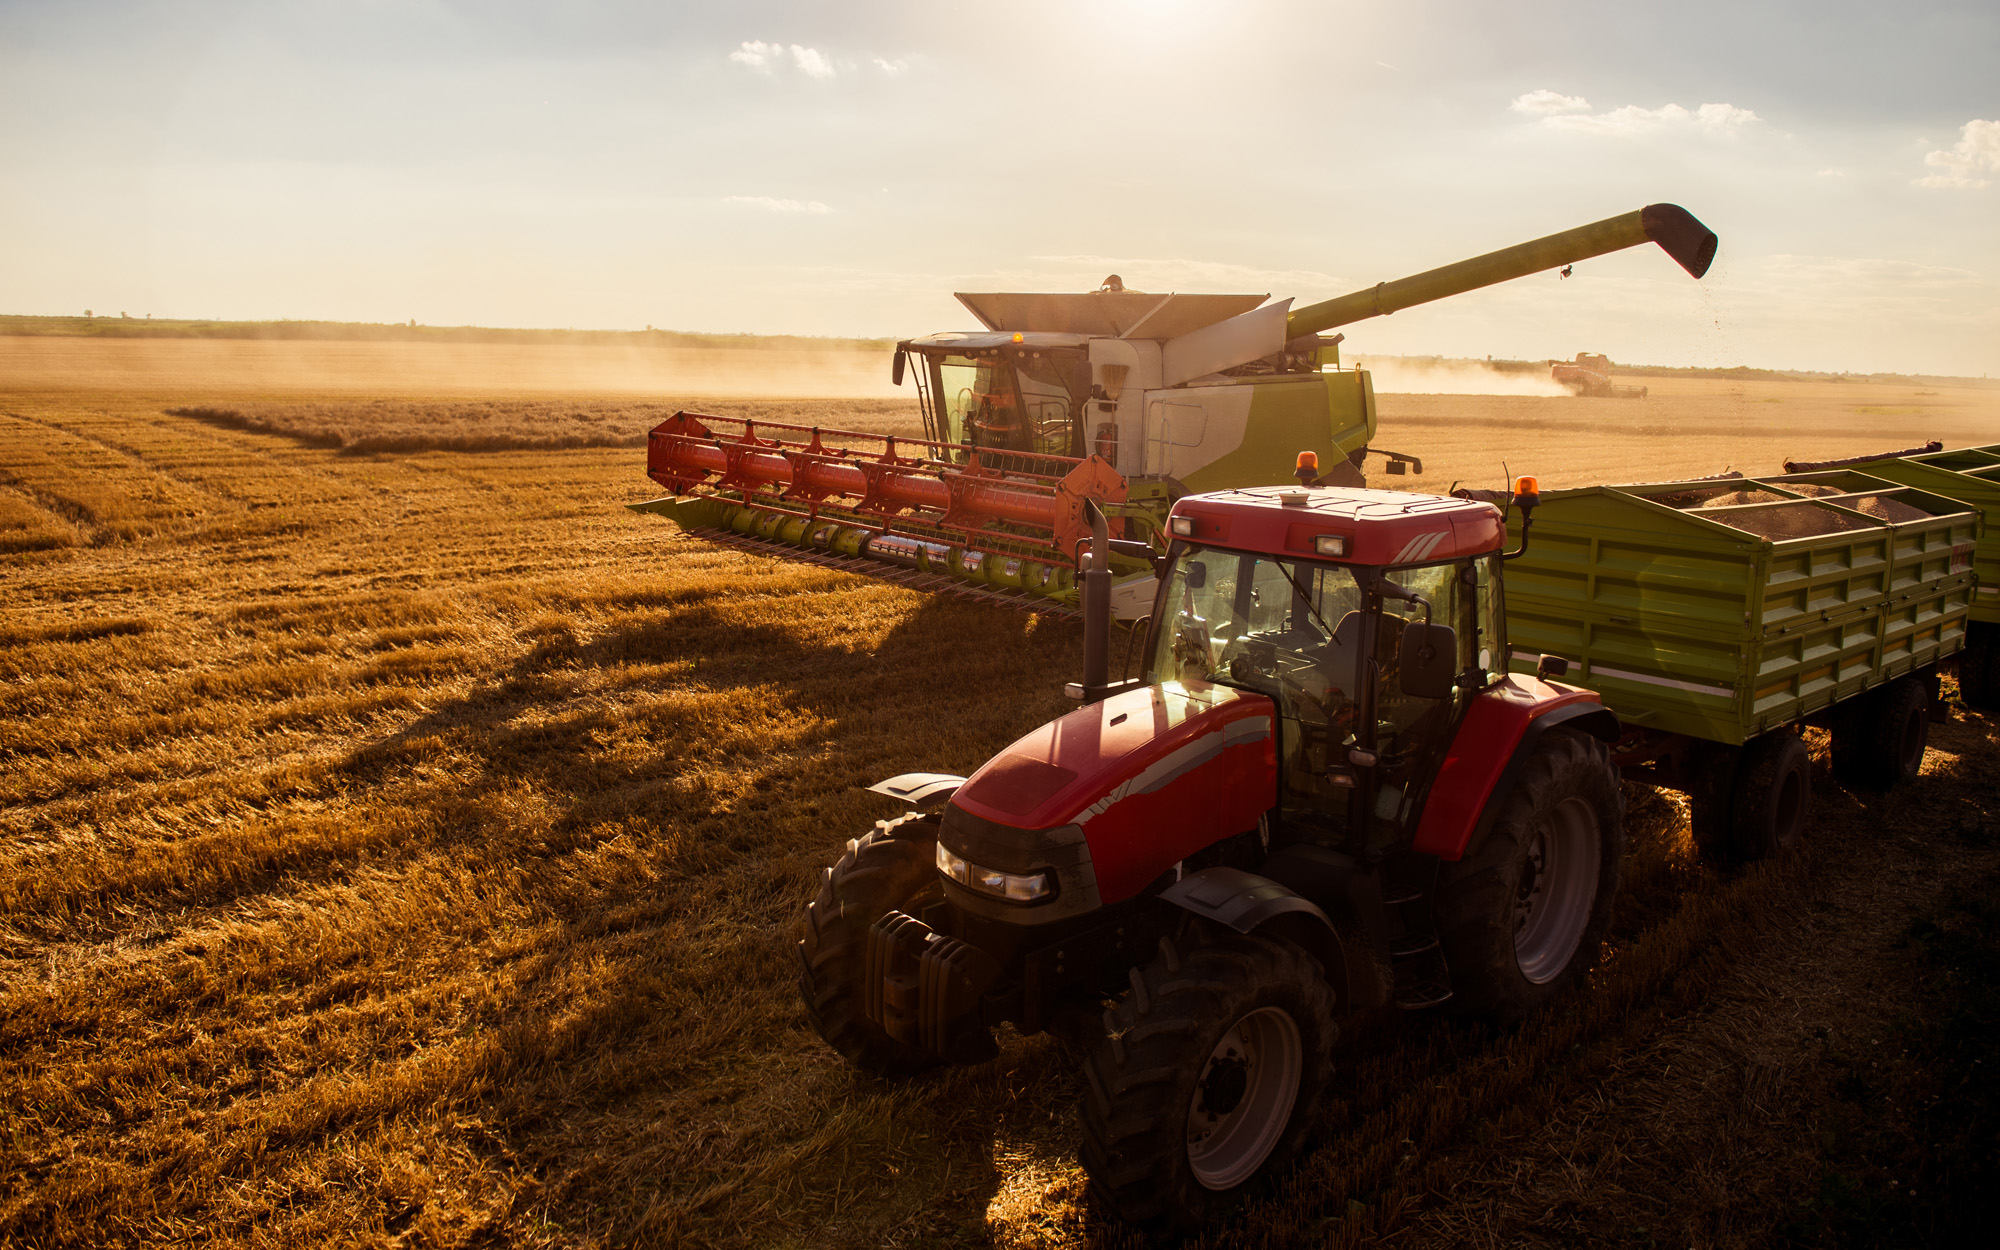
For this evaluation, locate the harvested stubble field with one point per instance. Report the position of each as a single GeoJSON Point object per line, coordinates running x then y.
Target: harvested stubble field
{"type": "Point", "coordinates": [407, 846]}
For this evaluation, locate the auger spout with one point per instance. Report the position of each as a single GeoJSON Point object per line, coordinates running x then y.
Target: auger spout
{"type": "Point", "coordinates": [1672, 227]}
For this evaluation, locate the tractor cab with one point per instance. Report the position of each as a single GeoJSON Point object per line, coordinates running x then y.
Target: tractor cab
{"type": "Point", "coordinates": [1368, 617]}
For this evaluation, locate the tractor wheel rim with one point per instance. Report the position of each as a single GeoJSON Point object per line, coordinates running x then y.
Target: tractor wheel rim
{"type": "Point", "coordinates": [1557, 891]}
{"type": "Point", "coordinates": [1243, 1098]}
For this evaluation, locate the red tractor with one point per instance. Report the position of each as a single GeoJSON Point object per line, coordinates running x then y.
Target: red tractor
{"type": "Point", "coordinates": [1324, 795]}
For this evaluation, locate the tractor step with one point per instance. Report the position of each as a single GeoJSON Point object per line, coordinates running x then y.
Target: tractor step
{"type": "Point", "coordinates": [1413, 946]}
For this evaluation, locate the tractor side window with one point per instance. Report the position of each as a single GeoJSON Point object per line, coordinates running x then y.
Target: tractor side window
{"type": "Point", "coordinates": [1489, 647]}
{"type": "Point", "coordinates": [1408, 729]}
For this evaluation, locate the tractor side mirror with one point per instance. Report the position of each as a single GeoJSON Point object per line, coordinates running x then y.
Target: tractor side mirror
{"type": "Point", "coordinates": [1429, 662]}
{"type": "Point", "coordinates": [896, 370]}
{"type": "Point", "coordinates": [1197, 575]}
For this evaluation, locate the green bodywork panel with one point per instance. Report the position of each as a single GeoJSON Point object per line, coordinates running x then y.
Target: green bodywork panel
{"type": "Point", "coordinates": [1332, 414]}
{"type": "Point", "coordinates": [1971, 474]}
{"type": "Point", "coordinates": [1688, 625]}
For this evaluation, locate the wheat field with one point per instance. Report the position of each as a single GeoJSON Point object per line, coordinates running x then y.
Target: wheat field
{"type": "Point", "coordinates": [403, 844]}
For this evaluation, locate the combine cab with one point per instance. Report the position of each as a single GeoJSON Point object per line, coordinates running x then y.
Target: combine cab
{"type": "Point", "coordinates": [1116, 398]}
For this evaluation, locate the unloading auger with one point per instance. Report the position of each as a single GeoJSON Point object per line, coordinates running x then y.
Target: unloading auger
{"type": "Point", "coordinates": [1114, 397]}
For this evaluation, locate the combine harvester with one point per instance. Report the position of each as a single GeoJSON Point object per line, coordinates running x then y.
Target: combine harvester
{"type": "Point", "coordinates": [1373, 762]}
{"type": "Point", "coordinates": [1114, 398]}
{"type": "Point", "coordinates": [1589, 375]}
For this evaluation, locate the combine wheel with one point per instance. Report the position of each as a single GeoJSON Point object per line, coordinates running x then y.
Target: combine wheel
{"type": "Point", "coordinates": [1772, 797]}
{"type": "Point", "coordinates": [893, 868]}
{"type": "Point", "coordinates": [1879, 738]}
{"type": "Point", "coordinates": [1204, 1079]}
{"type": "Point", "coordinates": [1521, 916]}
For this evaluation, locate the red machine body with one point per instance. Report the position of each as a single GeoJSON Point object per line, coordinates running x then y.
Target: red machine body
{"type": "Point", "coordinates": [877, 485]}
{"type": "Point", "coordinates": [1488, 740]}
{"type": "Point", "coordinates": [1151, 776]}
{"type": "Point", "coordinates": [1380, 527]}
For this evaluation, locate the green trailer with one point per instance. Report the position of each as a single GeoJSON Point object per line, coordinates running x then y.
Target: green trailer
{"type": "Point", "coordinates": [1717, 616]}
{"type": "Point", "coordinates": [1971, 475]}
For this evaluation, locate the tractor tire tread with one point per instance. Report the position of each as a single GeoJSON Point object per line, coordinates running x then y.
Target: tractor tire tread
{"type": "Point", "coordinates": [885, 866]}
{"type": "Point", "coordinates": [1139, 1078]}
{"type": "Point", "coordinates": [1474, 903]}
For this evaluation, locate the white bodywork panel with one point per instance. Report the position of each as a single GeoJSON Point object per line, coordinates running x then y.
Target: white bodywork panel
{"type": "Point", "coordinates": [1132, 599]}
{"type": "Point", "coordinates": [1224, 345]}
{"type": "Point", "coordinates": [1111, 313]}
{"type": "Point", "coordinates": [1194, 426]}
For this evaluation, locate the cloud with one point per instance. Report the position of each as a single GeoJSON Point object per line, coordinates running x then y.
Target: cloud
{"type": "Point", "coordinates": [1564, 112]}
{"type": "Point", "coordinates": [1544, 102]}
{"type": "Point", "coordinates": [1833, 171]}
{"type": "Point", "coordinates": [772, 204]}
{"type": "Point", "coordinates": [811, 63]}
{"type": "Point", "coordinates": [1977, 151]}
{"type": "Point", "coordinates": [893, 69]}
{"type": "Point", "coordinates": [767, 58]}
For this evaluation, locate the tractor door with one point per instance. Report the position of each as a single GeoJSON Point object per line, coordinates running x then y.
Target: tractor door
{"type": "Point", "coordinates": [1412, 733]}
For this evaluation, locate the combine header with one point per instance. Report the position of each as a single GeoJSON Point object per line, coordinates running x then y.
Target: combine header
{"type": "Point", "coordinates": [1116, 398]}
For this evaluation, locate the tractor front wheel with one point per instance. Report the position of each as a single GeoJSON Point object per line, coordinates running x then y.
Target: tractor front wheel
{"type": "Point", "coordinates": [1204, 1078]}
{"type": "Point", "coordinates": [892, 868]}
{"type": "Point", "coordinates": [1521, 917]}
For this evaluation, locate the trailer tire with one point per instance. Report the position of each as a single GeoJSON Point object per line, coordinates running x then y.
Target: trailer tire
{"type": "Point", "coordinates": [1521, 917]}
{"type": "Point", "coordinates": [1231, 1038]}
{"type": "Point", "coordinates": [1979, 667]}
{"type": "Point", "coordinates": [889, 869]}
{"type": "Point", "coordinates": [1879, 739]}
{"type": "Point", "coordinates": [1772, 797]}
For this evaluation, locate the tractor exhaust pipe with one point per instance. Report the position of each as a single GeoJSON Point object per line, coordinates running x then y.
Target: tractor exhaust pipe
{"type": "Point", "coordinates": [1096, 605]}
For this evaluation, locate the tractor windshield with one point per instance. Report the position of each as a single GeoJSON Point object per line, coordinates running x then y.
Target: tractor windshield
{"type": "Point", "coordinates": [1302, 634]}
{"type": "Point", "coordinates": [1282, 627]}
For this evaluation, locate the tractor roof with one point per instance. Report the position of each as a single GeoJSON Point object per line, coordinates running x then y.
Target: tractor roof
{"type": "Point", "coordinates": [1107, 314]}
{"type": "Point", "coordinates": [1381, 526]}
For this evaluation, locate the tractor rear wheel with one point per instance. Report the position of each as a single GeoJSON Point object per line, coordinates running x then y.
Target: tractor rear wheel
{"type": "Point", "coordinates": [1879, 738]}
{"type": "Point", "coordinates": [893, 868]}
{"type": "Point", "coordinates": [1521, 917]}
{"type": "Point", "coordinates": [1203, 1081]}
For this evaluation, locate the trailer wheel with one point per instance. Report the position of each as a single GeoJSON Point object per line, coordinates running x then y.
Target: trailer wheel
{"type": "Point", "coordinates": [1521, 917]}
{"type": "Point", "coordinates": [892, 868]}
{"type": "Point", "coordinates": [1879, 738]}
{"type": "Point", "coordinates": [1771, 799]}
{"type": "Point", "coordinates": [1979, 666]}
{"type": "Point", "coordinates": [1202, 1082]}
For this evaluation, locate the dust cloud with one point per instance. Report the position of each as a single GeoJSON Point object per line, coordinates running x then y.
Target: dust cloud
{"type": "Point", "coordinates": [235, 366]}
{"type": "Point", "coordinates": [1405, 375]}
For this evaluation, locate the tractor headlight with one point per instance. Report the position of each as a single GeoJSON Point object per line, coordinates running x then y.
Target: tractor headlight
{"type": "Point", "coordinates": [1181, 526]}
{"type": "Point", "coordinates": [1015, 887]}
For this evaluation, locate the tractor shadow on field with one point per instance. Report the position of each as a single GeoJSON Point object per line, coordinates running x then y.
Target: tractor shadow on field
{"type": "Point", "coordinates": [663, 794]}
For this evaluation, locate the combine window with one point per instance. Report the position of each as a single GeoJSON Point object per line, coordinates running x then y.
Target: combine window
{"type": "Point", "coordinates": [1025, 401]}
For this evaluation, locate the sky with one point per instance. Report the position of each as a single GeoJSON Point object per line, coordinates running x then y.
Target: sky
{"type": "Point", "coordinates": [841, 169]}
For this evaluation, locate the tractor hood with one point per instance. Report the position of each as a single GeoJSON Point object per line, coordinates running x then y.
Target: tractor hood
{"type": "Point", "coordinates": [1148, 777]}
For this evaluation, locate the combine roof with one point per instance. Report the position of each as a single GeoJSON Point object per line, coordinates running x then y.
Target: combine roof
{"type": "Point", "coordinates": [1110, 314]}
